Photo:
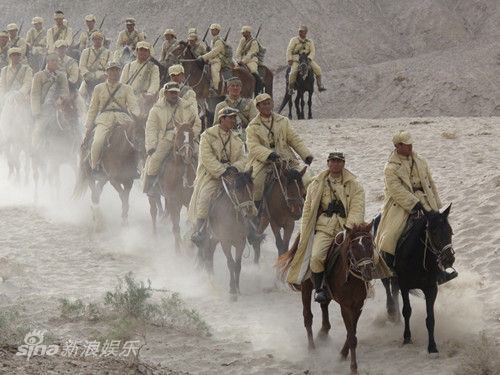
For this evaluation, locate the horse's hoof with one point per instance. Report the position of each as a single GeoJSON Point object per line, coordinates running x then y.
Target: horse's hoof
{"type": "Point", "coordinates": [311, 347]}
{"type": "Point", "coordinates": [233, 297]}
{"type": "Point", "coordinates": [407, 341]}
{"type": "Point", "coordinates": [354, 372]}
{"type": "Point", "coordinates": [433, 355]}
{"type": "Point", "coordinates": [323, 335]}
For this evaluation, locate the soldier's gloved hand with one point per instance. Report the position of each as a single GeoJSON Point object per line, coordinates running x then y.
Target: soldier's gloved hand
{"type": "Point", "coordinates": [308, 160]}
{"type": "Point", "coordinates": [418, 207]}
{"type": "Point", "coordinates": [273, 156]}
{"type": "Point", "coordinates": [200, 58]}
{"type": "Point", "coordinates": [151, 151]}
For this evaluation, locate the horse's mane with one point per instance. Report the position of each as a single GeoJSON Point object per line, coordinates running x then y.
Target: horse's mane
{"type": "Point", "coordinates": [355, 231]}
{"type": "Point", "coordinates": [242, 179]}
{"type": "Point", "coordinates": [293, 175]}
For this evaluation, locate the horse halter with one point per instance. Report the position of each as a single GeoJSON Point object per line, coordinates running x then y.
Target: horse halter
{"type": "Point", "coordinates": [356, 264]}
{"type": "Point", "coordinates": [440, 254]}
{"type": "Point", "coordinates": [237, 205]}
{"type": "Point", "coordinates": [284, 190]}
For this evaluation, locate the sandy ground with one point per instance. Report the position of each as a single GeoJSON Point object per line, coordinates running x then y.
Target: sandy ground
{"type": "Point", "coordinates": [48, 251]}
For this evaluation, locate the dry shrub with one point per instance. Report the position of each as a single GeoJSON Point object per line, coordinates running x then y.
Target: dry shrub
{"type": "Point", "coordinates": [482, 357]}
{"type": "Point", "coordinates": [449, 135]}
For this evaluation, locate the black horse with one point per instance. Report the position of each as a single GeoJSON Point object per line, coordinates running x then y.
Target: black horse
{"type": "Point", "coordinates": [420, 263]}
{"type": "Point", "coordinates": [304, 82]}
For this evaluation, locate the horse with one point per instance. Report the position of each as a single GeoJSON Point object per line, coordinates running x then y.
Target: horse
{"type": "Point", "coordinates": [176, 178]}
{"type": "Point", "coordinates": [303, 83]}
{"type": "Point", "coordinates": [421, 255]}
{"type": "Point", "coordinates": [230, 211]}
{"type": "Point", "coordinates": [267, 78]}
{"type": "Point", "coordinates": [281, 205]}
{"type": "Point", "coordinates": [119, 160]}
{"type": "Point", "coordinates": [347, 284]}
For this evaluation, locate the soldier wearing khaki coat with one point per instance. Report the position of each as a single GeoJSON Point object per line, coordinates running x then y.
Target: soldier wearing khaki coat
{"type": "Point", "coordinates": [16, 76]}
{"type": "Point", "coordinates": [270, 137]}
{"type": "Point", "coordinates": [297, 46]}
{"type": "Point", "coordinates": [15, 41]}
{"type": "Point", "coordinates": [112, 104]}
{"type": "Point", "coordinates": [246, 54]}
{"type": "Point", "coordinates": [4, 49]}
{"type": "Point", "coordinates": [37, 37]}
{"type": "Point", "coordinates": [68, 65]}
{"type": "Point", "coordinates": [160, 130]}
{"type": "Point", "coordinates": [168, 46]}
{"type": "Point", "coordinates": [59, 32]}
{"type": "Point", "coordinates": [198, 47]}
{"type": "Point", "coordinates": [86, 36]}
{"type": "Point", "coordinates": [128, 37]}
{"type": "Point", "coordinates": [176, 73]}
{"type": "Point", "coordinates": [216, 57]}
{"type": "Point", "coordinates": [93, 62]}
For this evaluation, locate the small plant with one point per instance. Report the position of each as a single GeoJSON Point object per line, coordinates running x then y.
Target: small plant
{"type": "Point", "coordinates": [78, 310]}
{"type": "Point", "coordinates": [177, 314]}
{"type": "Point", "coordinates": [481, 358]}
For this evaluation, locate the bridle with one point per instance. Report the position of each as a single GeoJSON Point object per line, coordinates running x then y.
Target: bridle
{"type": "Point", "coordinates": [181, 60]}
{"type": "Point", "coordinates": [439, 253]}
{"type": "Point", "coordinates": [237, 205]}
{"type": "Point", "coordinates": [284, 190]}
{"type": "Point", "coordinates": [356, 264]}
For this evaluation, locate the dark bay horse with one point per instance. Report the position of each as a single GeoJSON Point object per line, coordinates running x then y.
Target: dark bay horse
{"type": "Point", "coordinates": [176, 179]}
{"type": "Point", "coordinates": [304, 83]}
{"type": "Point", "coordinates": [227, 223]}
{"type": "Point", "coordinates": [420, 258]}
{"type": "Point", "coordinates": [347, 284]}
{"type": "Point", "coordinates": [119, 160]}
{"type": "Point", "coordinates": [282, 205]}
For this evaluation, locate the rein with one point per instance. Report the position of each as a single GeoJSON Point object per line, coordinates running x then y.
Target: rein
{"type": "Point", "coordinates": [438, 253]}
{"type": "Point", "coordinates": [237, 205]}
{"type": "Point", "coordinates": [356, 264]}
{"type": "Point", "coordinates": [284, 191]}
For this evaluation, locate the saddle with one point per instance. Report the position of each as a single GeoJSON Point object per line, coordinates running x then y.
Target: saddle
{"type": "Point", "coordinates": [333, 254]}
{"type": "Point", "coordinates": [410, 223]}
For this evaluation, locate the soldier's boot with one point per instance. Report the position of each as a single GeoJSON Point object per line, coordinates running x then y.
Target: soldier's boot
{"type": "Point", "coordinates": [258, 84]}
{"type": "Point", "coordinates": [320, 292]}
{"type": "Point", "coordinates": [389, 260]}
{"type": "Point", "coordinates": [199, 235]}
{"type": "Point", "coordinates": [320, 85]}
{"type": "Point", "coordinates": [444, 277]}
{"type": "Point", "coordinates": [150, 187]}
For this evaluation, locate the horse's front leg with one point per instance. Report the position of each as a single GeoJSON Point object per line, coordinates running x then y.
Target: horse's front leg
{"type": "Point", "coordinates": [309, 104]}
{"type": "Point", "coordinates": [290, 106]}
{"type": "Point", "coordinates": [350, 316]}
{"type": "Point", "coordinates": [297, 104]}
{"type": "Point", "coordinates": [277, 236]}
{"type": "Point", "coordinates": [237, 264]}
{"type": "Point", "coordinates": [325, 325]}
{"type": "Point", "coordinates": [390, 305]}
{"type": "Point", "coordinates": [306, 291]}
{"type": "Point", "coordinates": [153, 211]}
{"type": "Point", "coordinates": [406, 314]}
{"type": "Point", "coordinates": [287, 234]}
{"type": "Point", "coordinates": [175, 216]}
{"type": "Point", "coordinates": [430, 298]}
{"type": "Point", "coordinates": [226, 248]}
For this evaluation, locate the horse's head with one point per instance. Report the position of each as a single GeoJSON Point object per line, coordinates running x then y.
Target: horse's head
{"type": "Point", "coordinates": [303, 64]}
{"type": "Point", "coordinates": [293, 189]}
{"type": "Point", "coordinates": [182, 51]}
{"type": "Point", "coordinates": [438, 237]}
{"type": "Point", "coordinates": [360, 246]}
{"type": "Point", "coordinates": [240, 187]}
{"type": "Point", "coordinates": [184, 140]}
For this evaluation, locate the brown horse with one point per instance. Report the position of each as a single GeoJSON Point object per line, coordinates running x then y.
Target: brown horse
{"type": "Point", "coordinates": [227, 221]}
{"type": "Point", "coordinates": [267, 79]}
{"type": "Point", "coordinates": [119, 160]}
{"type": "Point", "coordinates": [347, 284]}
{"type": "Point", "coordinates": [176, 179]}
{"type": "Point", "coordinates": [282, 205]}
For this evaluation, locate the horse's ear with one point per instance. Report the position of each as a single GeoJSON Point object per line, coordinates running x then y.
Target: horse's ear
{"type": "Point", "coordinates": [303, 171]}
{"type": "Point", "coordinates": [447, 211]}
{"type": "Point", "coordinates": [369, 226]}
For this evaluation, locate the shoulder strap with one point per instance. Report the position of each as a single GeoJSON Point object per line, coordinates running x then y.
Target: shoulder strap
{"type": "Point", "coordinates": [97, 55]}
{"type": "Point", "coordinates": [15, 76]}
{"type": "Point", "coordinates": [111, 97]}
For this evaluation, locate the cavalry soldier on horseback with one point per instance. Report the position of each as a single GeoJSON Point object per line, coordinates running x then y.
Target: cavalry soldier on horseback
{"type": "Point", "coordinates": [245, 106]}
{"type": "Point", "coordinates": [68, 65]}
{"type": "Point", "coordinates": [113, 103]}
{"type": "Point", "coordinates": [297, 46]}
{"type": "Point", "coordinates": [176, 73]}
{"type": "Point", "coordinates": [37, 39]}
{"type": "Point", "coordinates": [59, 32]}
{"type": "Point", "coordinates": [216, 58]}
{"type": "Point", "coordinates": [16, 76]}
{"type": "Point", "coordinates": [142, 74]}
{"type": "Point", "coordinates": [93, 64]}
{"type": "Point", "coordinates": [221, 154]}
{"type": "Point", "coordinates": [4, 48]}
{"type": "Point", "coordinates": [409, 188]}
{"type": "Point", "coordinates": [168, 46]}
{"type": "Point", "coordinates": [198, 47]}
{"type": "Point", "coordinates": [247, 53]}
{"type": "Point", "coordinates": [160, 130]}
{"type": "Point", "coordinates": [86, 36]}
{"type": "Point", "coordinates": [17, 42]}
{"type": "Point", "coordinates": [270, 137]}
{"type": "Point", "coordinates": [335, 200]}
{"type": "Point", "coordinates": [49, 88]}
{"type": "Point", "coordinates": [128, 37]}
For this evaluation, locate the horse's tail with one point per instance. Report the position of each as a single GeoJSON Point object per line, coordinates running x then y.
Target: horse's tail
{"type": "Point", "coordinates": [82, 181]}
{"type": "Point", "coordinates": [284, 261]}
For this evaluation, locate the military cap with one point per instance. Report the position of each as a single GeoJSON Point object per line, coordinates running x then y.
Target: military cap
{"type": "Point", "coordinates": [52, 56]}
{"type": "Point", "coordinates": [175, 69]}
{"type": "Point", "coordinates": [169, 32]}
{"type": "Point", "coordinates": [89, 17]}
{"type": "Point", "coordinates": [37, 20]}
{"type": "Point", "coordinates": [215, 26]}
{"type": "Point", "coordinates": [130, 21]}
{"type": "Point", "coordinates": [234, 81]}
{"type": "Point", "coordinates": [113, 65]}
{"type": "Point", "coordinates": [228, 111]}
{"type": "Point", "coordinates": [192, 36]}
{"type": "Point", "coordinates": [171, 86]}
{"type": "Point", "coordinates": [14, 50]}
{"type": "Point", "coordinates": [246, 29]}
{"type": "Point", "coordinates": [402, 136]}
{"type": "Point", "coordinates": [97, 34]}
{"type": "Point", "coordinates": [192, 30]}
{"type": "Point", "coordinates": [4, 34]}
{"type": "Point", "coordinates": [336, 155]}
{"type": "Point", "coordinates": [143, 44]}
{"type": "Point", "coordinates": [262, 97]}
{"type": "Point", "coordinates": [12, 26]}
{"type": "Point", "coordinates": [58, 14]}
{"type": "Point", "coordinates": [60, 43]}
{"type": "Point", "coordinates": [303, 28]}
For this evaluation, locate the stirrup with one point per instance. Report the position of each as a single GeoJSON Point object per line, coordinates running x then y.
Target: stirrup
{"type": "Point", "coordinates": [444, 277]}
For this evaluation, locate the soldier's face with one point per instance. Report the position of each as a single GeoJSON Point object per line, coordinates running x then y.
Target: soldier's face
{"type": "Point", "coordinates": [97, 42]}
{"type": "Point", "coordinates": [12, 34]}
{"type": "Point", "coordinates": [214, 32]}
{"type": "Point", "coordinates": [38, 26]}
{"type": "Point", "coordinates": [169, 37]}
{"type": "Point", "coordinates": [142, 54]}
{"type": "Point", "coordinates": [90, 24]}
{"type": "Point", "coordinates": [266, 107]}
{"type": "Point", "coordinates": [302, 33]}
{"type": "Point", "coordinates": [15, 58]}
{"type": "Point", "coordinates": [3, 40]}
{"type": "Point", "coordinates": [61, 51]}
{"type": "Point", "coordinates": [336, 165]}
{"type": "Point", "coordinates": [234, 90]}
{"type": "Point", "coordinates": [52, 64]}
{"type": "Point", "coordinates": [177, 77]}
{"type": "Point", "coordinates": [113, 74]}
{"type": "Point", "coordinates": [403, 149]}
{"type": "Point", "coordinates": [227, 122]}
{"type": "Point", "coordinates": [246, 34]}
{"type": "Point", "coordinates": [192, 42]}
{"type": "Point", "coordinates": [130, 27]}
{"type": "Point", "coordinates": [172, 96]}
{"type": "Point", "coordinates": [59, 21]}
